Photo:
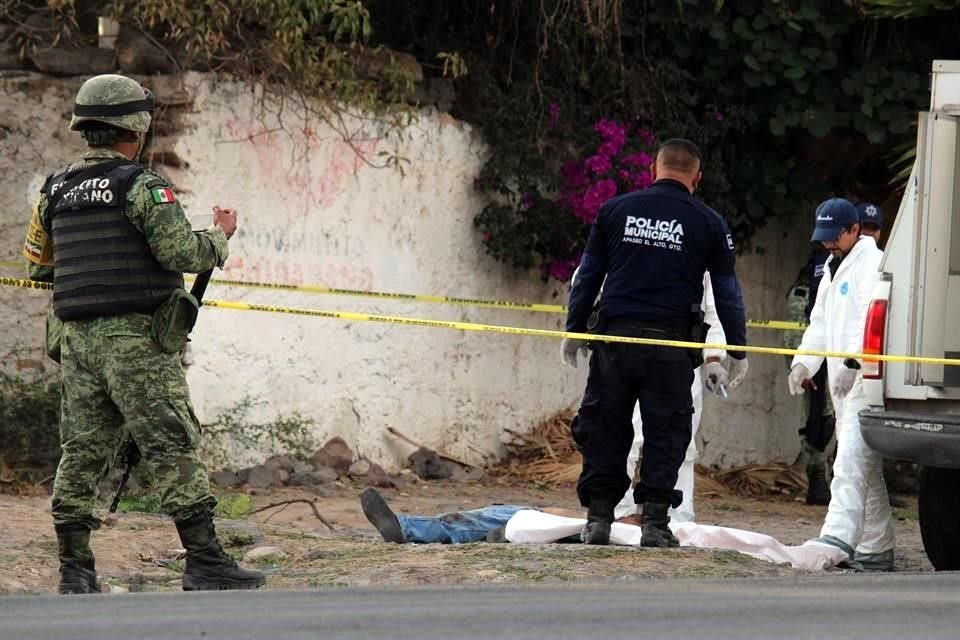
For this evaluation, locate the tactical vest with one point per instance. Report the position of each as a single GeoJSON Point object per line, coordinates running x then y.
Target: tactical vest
{"type": "Point", "coordinates": [103, 265]}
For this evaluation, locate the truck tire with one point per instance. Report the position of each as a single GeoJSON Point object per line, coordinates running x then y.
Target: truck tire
{"type": "Point", "coordinates": [939, 510]}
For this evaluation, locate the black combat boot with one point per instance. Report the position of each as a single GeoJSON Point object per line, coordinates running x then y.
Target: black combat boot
{"type": "Point", "coordinates": [654, 525]}
{"type": "Point", "coordinates": [599, 519]}
{"type": "Point", "coordinates": [208, 567]}
{"type": "Point", "coordinates": [818, 490]}
{"type": "Point", "coordinates": [77, 571]}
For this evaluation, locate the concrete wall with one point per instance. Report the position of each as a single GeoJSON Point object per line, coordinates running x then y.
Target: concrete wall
{"type": "Point", "coordinates": [313, 211]}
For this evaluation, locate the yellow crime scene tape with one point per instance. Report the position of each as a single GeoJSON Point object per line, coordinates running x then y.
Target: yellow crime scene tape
{"type": "Point", "coordinates": [472, 326]}
{"type": "Point", "coordinates": [437, 299]}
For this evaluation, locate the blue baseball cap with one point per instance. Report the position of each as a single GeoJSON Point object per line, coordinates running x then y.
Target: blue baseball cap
{"type": "Point", "coordinates": [870, 214]}
{"type": "Point", "coordinates": [832, 216]}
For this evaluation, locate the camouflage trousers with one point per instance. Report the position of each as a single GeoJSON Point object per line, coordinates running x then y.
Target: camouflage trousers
{"type": "Point", "coordinates": [117, 382]}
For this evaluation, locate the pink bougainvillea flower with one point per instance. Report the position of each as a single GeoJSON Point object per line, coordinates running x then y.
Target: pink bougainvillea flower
{"type": "Point", "coordinates": [562, 270]}
{"type": "Point", "coordinates": [594, 198]}
{"type": "Point", "coordinates": [641, 160]}
{"type": "Point", "coordinates": [598, 164]}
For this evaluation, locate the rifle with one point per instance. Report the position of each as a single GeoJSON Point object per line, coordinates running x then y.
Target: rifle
{"type": "Point", "coordinates": [130, 457]}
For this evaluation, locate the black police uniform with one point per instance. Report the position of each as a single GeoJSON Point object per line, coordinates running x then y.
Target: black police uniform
{"type": "Point", "coordinates": [653, 247]}
{"type": "Point", "coordinates": [819, 428]}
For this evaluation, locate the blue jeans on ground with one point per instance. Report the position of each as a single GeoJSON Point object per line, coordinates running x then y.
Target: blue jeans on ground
{"type": "Point", "coordinates": [457, 527]}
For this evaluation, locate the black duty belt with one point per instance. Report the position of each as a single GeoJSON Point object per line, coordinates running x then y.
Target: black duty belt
{"type": "Point", "coordinates": [639, 329]}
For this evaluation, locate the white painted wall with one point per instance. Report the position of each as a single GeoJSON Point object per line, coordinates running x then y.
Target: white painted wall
{"type": "Point", "coordinates": [312, 212]}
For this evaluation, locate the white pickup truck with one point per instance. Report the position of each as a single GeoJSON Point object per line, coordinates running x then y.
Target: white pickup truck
{"type": "Point", "coordinates": [914, 409]}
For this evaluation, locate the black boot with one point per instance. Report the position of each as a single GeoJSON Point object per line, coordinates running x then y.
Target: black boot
{"type": "Point", "coordinates": [654, 523]}
{"type": "Point", "coordinates": [78, 573]}
{"type": "Point", "coordinates": [818, 491]}
{"type": "Point", "coordinates": [208, 567]}
{"type": "Point", "coordinates": [599, 519]}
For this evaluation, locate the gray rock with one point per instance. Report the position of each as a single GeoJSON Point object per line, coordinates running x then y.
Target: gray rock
{"type": "Point", "coordinates": [299, 466]}
{"type": "Point", "coordinates": [225, 478]}
{"type": "Point", "coordinates": [262, 476]}
{"type": "Point", "coordinates": [311, 478]}
{"type": "Point", "coordinates": [284, 462]}
{"type": "Point", "coordinates": [460, 473]}
{"type": "Point", "coordinates": [244, 475]}
{"type": "Point", "coordinates": [359, 468]}
{"type": "Point", "coordinates": [265, 554]}
{"type": "Point", "coordinates": [428, 465]}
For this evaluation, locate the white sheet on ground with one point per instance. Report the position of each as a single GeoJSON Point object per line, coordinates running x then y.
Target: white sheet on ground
{"type": "Point", "coordinates": [538, 527]}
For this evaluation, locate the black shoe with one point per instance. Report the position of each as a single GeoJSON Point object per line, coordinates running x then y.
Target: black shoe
{"type": "Point", "coordinates": [381, 516]}
{"type": "Point", "coordinates": [654, 525]}
{"type": "Point", "coordinates": [818, 490]}
{"type": "Point", "coordinates": [208, 567]}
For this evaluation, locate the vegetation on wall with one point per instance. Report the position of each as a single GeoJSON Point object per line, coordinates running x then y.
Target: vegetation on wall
{"type": "Point", "coordinates": [790, 100]}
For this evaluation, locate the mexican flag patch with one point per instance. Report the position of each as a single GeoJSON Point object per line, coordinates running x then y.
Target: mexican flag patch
{"type": "Point", "coordinates": [162, 195]}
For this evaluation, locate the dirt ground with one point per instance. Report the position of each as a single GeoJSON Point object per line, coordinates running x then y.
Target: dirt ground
{"type": "Point", "coordinates": [131, 548]}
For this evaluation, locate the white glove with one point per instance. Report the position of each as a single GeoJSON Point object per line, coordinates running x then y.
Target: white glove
{"type": "Point", "coordinates": [186, 356]}
{"type": "Point", "coordinates": [799, 374]}
{"type": "Point", "coordinates": [715, 376]}
{"type": "Point", "coordinates": [569, 348]}
{"type": "Point", "coordinates": [737, 370]}
{"type": "Point", "coordinates": [844, 381]}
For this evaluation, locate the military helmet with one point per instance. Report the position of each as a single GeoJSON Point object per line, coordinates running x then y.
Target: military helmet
{"type": "Point", "coordinates": [114, 100]}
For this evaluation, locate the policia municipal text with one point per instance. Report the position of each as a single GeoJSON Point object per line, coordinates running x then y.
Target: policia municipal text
{"type": "Point", "coordinates": [653, 247]}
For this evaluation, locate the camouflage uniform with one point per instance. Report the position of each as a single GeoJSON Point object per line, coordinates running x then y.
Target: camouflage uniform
{"type": "Point", "coordinates": [117, 381]}
{"type": "Point", "coordinates": [113, 267]}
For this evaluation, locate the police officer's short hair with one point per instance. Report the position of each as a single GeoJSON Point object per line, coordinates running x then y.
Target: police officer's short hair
{"type": "Point", "coordinates": [680, 154]}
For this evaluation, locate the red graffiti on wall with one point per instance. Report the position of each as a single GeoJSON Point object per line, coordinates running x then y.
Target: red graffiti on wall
{"type": "Point", "coordinates": [313, 169]}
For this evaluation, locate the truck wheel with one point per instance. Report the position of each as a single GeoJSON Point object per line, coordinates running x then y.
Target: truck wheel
{"type": "Point", "coordinates": [939, 507]}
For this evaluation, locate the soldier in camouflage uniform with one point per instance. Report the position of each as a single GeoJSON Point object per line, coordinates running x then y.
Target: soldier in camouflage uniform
{"type": "Point", "coordinates": [112, 237]}
{"type": "Point", "coordinates": [819, 421]}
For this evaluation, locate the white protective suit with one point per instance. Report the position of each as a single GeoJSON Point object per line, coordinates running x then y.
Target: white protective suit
{"type": "Point", "coordinates": [683, 513]}
{"type": "Point", "coordinates": [859, 511]}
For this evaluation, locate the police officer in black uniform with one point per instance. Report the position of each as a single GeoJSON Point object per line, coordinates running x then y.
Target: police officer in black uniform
{"type": "Point", "coordinates": [652, 247]}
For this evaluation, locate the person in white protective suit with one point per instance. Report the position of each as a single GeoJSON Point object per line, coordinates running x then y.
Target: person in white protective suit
{"type": "Point", "coordinates": [711, 374]}
{"type": "Point", "coordinates": [858, 516]}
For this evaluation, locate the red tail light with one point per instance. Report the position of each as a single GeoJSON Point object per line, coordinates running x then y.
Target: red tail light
{"type": "Point", "coordinates": [873, 339]}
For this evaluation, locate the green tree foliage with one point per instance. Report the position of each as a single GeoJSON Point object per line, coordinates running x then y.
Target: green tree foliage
{"type": "Point", "coordinates": [791, 100]}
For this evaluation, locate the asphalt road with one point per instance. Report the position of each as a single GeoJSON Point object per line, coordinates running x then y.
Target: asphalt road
{"type": "Point", "coordinates": [840, 606]}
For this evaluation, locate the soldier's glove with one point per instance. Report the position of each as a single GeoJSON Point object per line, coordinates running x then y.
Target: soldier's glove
{"type": "Point", "coordinates": [737, 370]}
{"type": "Point", "coordinates": [715, 376]}
{"type": "Point", "coordinates": [800, 380]}
{"type": "Point", "coordinates": [845, 379]}
{"type": "Point", "coordinates": [569, 349]}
